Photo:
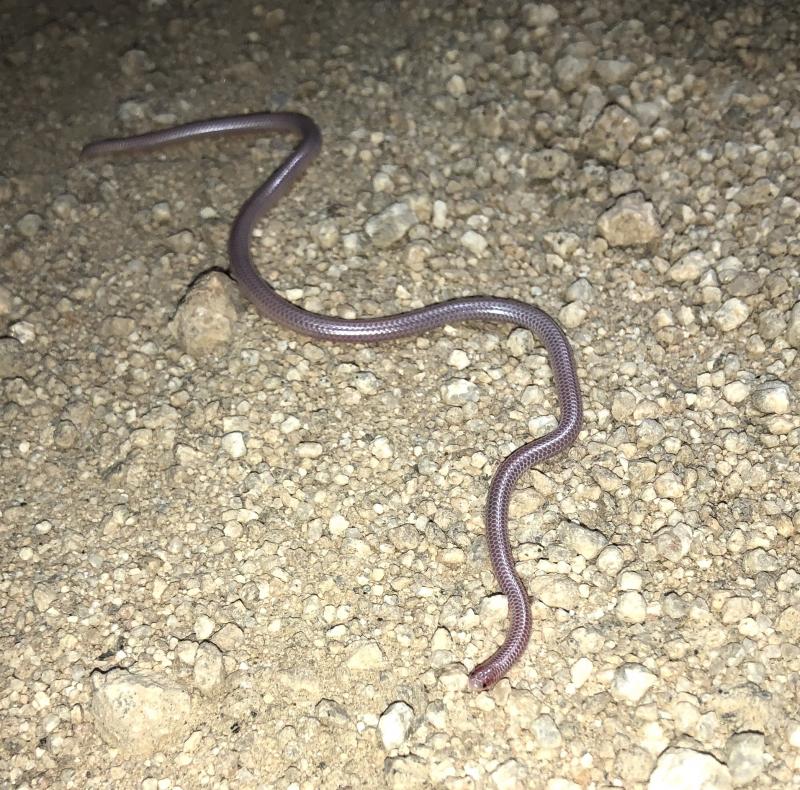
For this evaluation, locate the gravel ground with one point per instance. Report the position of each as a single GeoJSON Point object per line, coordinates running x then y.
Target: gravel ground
{"type": "Point", "coordinates": [236, 558]}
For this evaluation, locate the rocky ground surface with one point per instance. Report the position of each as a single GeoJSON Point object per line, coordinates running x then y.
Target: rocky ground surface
{"type": "Point", "coordinates": [234, 557]}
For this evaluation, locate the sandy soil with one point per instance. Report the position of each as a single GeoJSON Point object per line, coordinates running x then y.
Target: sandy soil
{"type": "Point", "coordinates": [232, 557]}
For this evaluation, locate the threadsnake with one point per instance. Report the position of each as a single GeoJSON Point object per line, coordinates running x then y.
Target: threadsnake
{"type": "Point", "coordinates": [274, 307]}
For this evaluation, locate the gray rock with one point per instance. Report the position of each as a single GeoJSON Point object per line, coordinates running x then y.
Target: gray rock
{"type": "Point", "coordinates": [29, 225]}
{"type": "Point", "coordinates": [135, 62]}
{"type": "Point", "coordinates": [793, 326]}
{"type": "Point", "coordinates": [509, 775]}
{"type": "Point", "coordinates": [572, 315]}
{"type": "Point", "coordinates": [204, 321]}
{"type": "Point", "coordinates": [139, 714]}
{"type": "Point", "coordinates": [367, 656]}
{"type": "Point", "coordinates": [614, 71]}
{"type": "Point", "coordinates": [686, 769]}
{"type": "Point", "coordinates": [731, 315]}
{"type": "Point", "coordinates": [689, 267]}
{"type": "Point", "coordinates": [556, 591]}
{"type": "Point", "coordinates": [586, 542]}
{"type": "Point", "coordinates": [774, 397]}
{"type": "Point", "coordinates": [13, 360]}
{"type": "Point", "coordinates": [547, 163]}
{"type": "Point", "coordinates": [209, 669]}
{"type": "Point", "coordinates": [745, 756]}
{"type": "Point", "coordinates": [331, 712]}
{"type": "Point", "coordinates": [457, 392]}
{"type": "Point", "coordinates": [762, 191]}
{"type": "Point", "coordinates": [474, 242]}
{"type": "Point", "coordinates": [570, 71]}
{"type": "Point", "coordinates": [631, 221]}
{"type": "Point", "coordinates": [546, 732]}
{"type": "Point", "coordinates": [611, 134]}
{"type": "Point", "coordinates": [6, 191]}
{"type": "Point", "coordinates": [390, 225]}
{"type": "Point", "coordinates": [181, 242]}
{"type": "Point", "coordinates": [539, 14]}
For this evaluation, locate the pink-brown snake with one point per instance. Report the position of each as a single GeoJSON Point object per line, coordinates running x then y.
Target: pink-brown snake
{"type": "Point", "coordinates": [375, 330]}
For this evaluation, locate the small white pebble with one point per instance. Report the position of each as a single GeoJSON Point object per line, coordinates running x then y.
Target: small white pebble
{"type": "Point", "coordinates": [735, 392]}
{"type": "Point", "coordinates": [326, 233]}
{"type": "Point", "coordinates": [456, 86]}
{"type": "Point", "coordinates": [390, 225]}
{"type": "Point", "coordinates": [630, 580]}
{"type": "Point", "coordinates": [24, 331]}
{"type": "Point", "coordinates": [185, 651]}
{"type": "Point", "coordinates": [572, 315]}
{"type": "Point", "coordinates": [5, 301]}
{"type": "Point", "coordinates": [337, 632]}
{"type": "Point", "coordinates": [668, 486]}
{"type": "Point", "coordinates": [453, 556]}
{"type": "Point", "coordinates": [631, 607]}
{"type": "Point", "coordinates": [338, 524]}
{"type": "Point", "coordinates": [193, 741]}
{"type": "Point", "coordinates": [509, 775]}
{"type": "Point", "coordinates": [181, 242]}
{"type": "Point", "coordinates": [631, 682]}
{"type": "Point", "coordinates": [441, 639]}
{"type": "Point", "coordinates": [203, 627]}
{"type": "Point", "coordinates": [745, 757]}
{"type": "Point", "coordinates": [689, 267]}
{"type": "Point", "coordinates": [40, 700]}
{"type": "Point", "coordinates": [610, 560]}
{"type": "Point", "coordinates": [674, 542]}
{"type": "Point", "coordinates": [474, 242]}
{"type": "Point", "coordinates": [493, 609]}
{"type": "Point", "coordinates": [520, 342]}
{"type": "Point", "coordinates": [65, 206]}
{"type": "Point", "coordinates": [586, 542]}
{"type": "Point", "coordinates": [439, 214]}
{"type": "Point", "coordinates": [381, 448]}
{"type": "Point", "coordinates": [457, 392]}
{"type": "Point", "coordinates": [290, 424]}
{"type": "Point", "coordinates": [366, 656]}
{"type": "Point", "coordinates": [539, 14]}
{"type": "Point", "coordinates": [367, 383]}
{"type": "Point", "coordinates": [309, 449]}
{"type": "Point", "coordinates": [458, 359]}
{"type": "Point", "coordinates": [395, 724]}
{"type": "Point", "coordinates": [732, 314]}
{"type": "Point", "coordinates": [233, 444]}
{"type": "Point", "coordinates": [161, 213]}
{"type": "Point", "coordinates": [546, 732]}
{"type": "Point", "coordinates": [581, 671]}
{"type": "Point", "coordinates": [43, 527]}
{"type": "Point", "coordinates": [556, 591]}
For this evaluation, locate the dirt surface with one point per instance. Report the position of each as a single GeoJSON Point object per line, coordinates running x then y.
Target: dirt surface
{"type": "Point", "coordinates": [233, 557]}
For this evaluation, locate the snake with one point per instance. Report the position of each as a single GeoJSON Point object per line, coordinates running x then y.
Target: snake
{"type": "Point", "coordinates": [492, 309]}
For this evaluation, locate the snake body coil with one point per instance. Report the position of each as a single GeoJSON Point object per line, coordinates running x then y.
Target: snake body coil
{"type": "Point", "coordinates": [375, 330]}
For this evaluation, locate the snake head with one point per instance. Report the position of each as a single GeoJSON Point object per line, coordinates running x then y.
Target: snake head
{"type": "Point", "coordinates": [482, 678]}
